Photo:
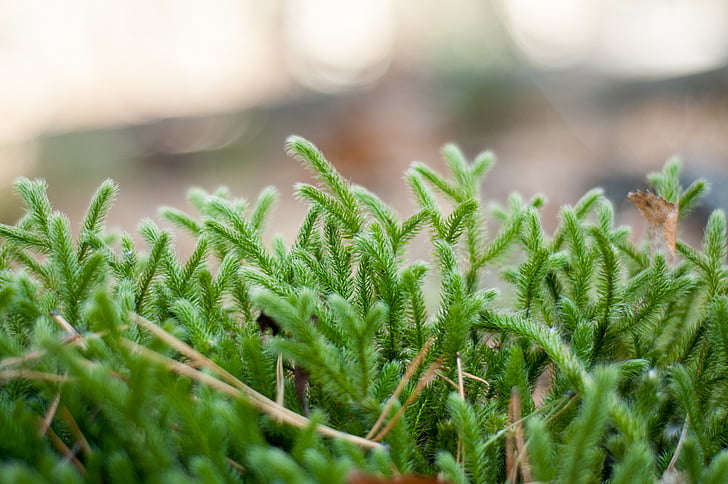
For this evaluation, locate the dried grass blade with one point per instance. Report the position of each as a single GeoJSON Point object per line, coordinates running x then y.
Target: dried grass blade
{"type": "Point", "coordinates": [68, 328]}
{"type": "Point", "coordinates": [50, 414]}
{"type": "Point", "coordinates": [400, 386]}
{"type": "Point", "coordinates": [197, 358]}
{"type": "Point", "coordinates": [61, 447]}
{"type": "Point", "coordinates": [461, 386]}
{"type": "Point", "coordinates": [75, 430]}
{"type": "Point", "coordinates": [71, 340]}
{"type": "Point", "coordinates": [421, 384]}
{"type": "Point", "coordinates": [521, 449]}
{"type": "Point", "coordinates": [280, 382]}
{"type": "Point", "coordinates": [34, 375]}
{"type": "Point", "coordinates": [246, 394]}
{"type": "Point", "coordinates": [476, 378]}
{"type": "Point", "coordinates": [511, 456]}
{"type": "Point", "coordinates": [447, 380]}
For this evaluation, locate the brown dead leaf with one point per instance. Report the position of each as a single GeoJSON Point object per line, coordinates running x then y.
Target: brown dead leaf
{"type": "Point", "coordinates": [661, 217]}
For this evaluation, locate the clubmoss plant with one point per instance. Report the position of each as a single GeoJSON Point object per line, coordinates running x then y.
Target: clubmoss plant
{"type": "Point", "coordinates": [595, 360]}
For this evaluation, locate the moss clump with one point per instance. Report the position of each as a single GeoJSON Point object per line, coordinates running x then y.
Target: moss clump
{"type": "Point", "coordinates": [595, 360]}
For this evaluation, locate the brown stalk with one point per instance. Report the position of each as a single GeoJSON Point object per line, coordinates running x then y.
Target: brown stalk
{"type": "Point", "coordinates": [461, 391]}
{"type": "Point", "coordinates": [461, 386]}
{"type": "Point", "coordinates": [72, 340]}
{"type": "Point", "coordinates": [45, 422]}
{"type": "Point", "coordinates": [400, 386]}
{"type": "Point", "coordinates": [280, 382]}
{"type": "Point", "coordinates": [511, 451]}
{"type": "Point", "coordinates": [61, 447]}
{"type": "Point", "coordinates": [679, 446]}
{"type": "Point", "coordinates": [447, 380]}
{"type": "Point", "coordinates": [75, 431]}
{"type": "Point", "coordinates": [476, 378]}
{"type": "Point", "coordinates": [66, 326]}
{"type": "Point", "coordinates": [421, 384]}
{"type": "Point", "coordinates": [235, 465]}
{"type": "Point", "coordinates": [240, 391]}
{"type": "Point", "coordinates": [34, 375]}
{"type": "Point", "coordinates": [520, 439]}
{"type": "Point", "coordinates": [198, 360]}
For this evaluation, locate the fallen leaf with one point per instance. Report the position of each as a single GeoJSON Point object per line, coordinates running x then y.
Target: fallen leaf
{"type": "Point", "coordinates": [661, 217]}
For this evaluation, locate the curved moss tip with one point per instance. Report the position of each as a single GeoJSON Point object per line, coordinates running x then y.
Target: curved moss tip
{"type": "Point", "coordinates": [300, 147]}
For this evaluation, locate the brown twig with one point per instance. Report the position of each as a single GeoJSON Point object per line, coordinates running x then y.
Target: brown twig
{"type": "Point", "coordinates": [522, 454]}
{"type": "Point", "coordinates": [234, 388]}
{"type": "Point", "coordinates": [280, 382]}
{"type": "Point", "coordinates": [447, 380]}
{"type": "Point", "coordinates": [400, 386]}
{"type": "Point", "coordinates": [511, 456]}
{"type": "Point", "coordinates": [679, 446]}
{"type": "Point", "coordinates": [61, 447]}
{"type": "Point", "coordinates": [421, 384]}
{"type": "Point", "coordinates": [461, 386]}
{"type": "Point", "coordinates": [50, 414]}
{"type": "Point", "coordinates": [476, 378]}
{"type": "Point", "coordinates": [461, 391]}
{"type": "Point", "coordinates": [71, 340]}
{"type": "Point", "coordinates": [66, 326]}
{"type": "Point", "coordinates": [34, 375]}
{"type": "Point", "coordinates": [235, 465]}
{"type": "Point", "coordinates": [76, 431]}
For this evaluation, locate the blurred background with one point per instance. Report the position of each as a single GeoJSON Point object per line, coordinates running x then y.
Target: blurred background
{"type": "Point", "coordinates": [164, 94]}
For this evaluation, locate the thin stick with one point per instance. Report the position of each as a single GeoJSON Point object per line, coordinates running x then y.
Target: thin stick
{"type": "Point", "coordinates": [245, 394]}
{"type": "Point", "coordinates": [71, 340]}
{"type": "Point", "coordinates": [34, 375]}
{"type": "Point", "coordinates": [461, 392]}
{"type": "Point", "coordinates": [678, 448]}
{"type": "Point", "coordinates": [76, 431]}
{"type": "Point", "coordinates": [45, 423]}
{"type": "Point", "coordinates": [280, 382]}
{"type": "Point", "coordinates": [511, 451]}
{"type": "Point", "coordinates": [449, 381]}
{"type": "Point", "coordinates": [235, 465]}
{"type": "Point", "coordinates": [61, 447]}
{"type": "Point", "coordinates": [518, 434]}
{"type": "Point", "coordinates": [198, 359]}
{"type": "Point", "coordinates": [461, 387]}
{"type": "Point", "coordinates": [421, 384]}
{"type": "Point", "coordinates": [476, 378]}
{"type": "Point", "coordinates": [400, 386]}
{"type": "Point", "coordinates": [66, 326]}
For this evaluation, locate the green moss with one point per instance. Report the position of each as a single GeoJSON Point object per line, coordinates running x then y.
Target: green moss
{"type": "Point", "coordinates": [120, 363]}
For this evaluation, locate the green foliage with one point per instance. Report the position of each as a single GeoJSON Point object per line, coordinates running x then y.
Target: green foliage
{"type": "Point", "coordinates": [593, 361]}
